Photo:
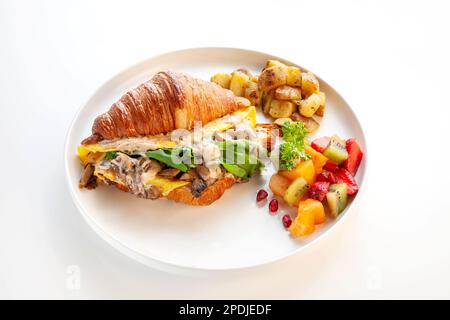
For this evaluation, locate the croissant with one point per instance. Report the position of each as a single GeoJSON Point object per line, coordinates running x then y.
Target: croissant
{"type": "Point", "coordinates": [168, 101]}
{"type": "Point", "coordinates": [208, 196]}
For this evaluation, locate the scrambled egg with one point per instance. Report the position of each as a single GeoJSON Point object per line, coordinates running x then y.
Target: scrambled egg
{"type": "Point", "coordinates": [87, 152]}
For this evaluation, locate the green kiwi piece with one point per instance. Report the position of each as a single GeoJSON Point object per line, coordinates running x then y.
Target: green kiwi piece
{"type": "Point", "coordinates": [336, 151]}
{"type": "Point", "coordinates": [337, 198]}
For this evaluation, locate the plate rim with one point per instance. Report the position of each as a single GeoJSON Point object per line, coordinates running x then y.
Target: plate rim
{"type": "Point", "coordinates": [161, 264]}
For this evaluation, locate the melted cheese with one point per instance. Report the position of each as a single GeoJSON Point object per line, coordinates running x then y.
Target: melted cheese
{"type": "Point", "coordinates": [166, 185]}
{"type": "Point", "coordinates": [107, 175]}
{"type": "Point", "coordinates": [163, 141]}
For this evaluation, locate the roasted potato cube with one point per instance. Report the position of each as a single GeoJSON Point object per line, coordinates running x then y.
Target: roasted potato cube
{"type": "Point", "coordinates": [252, 93]}
{"type": "Point", "coordinates": [272, 77]}
{"type": "Point", "coordinates": [321, 111]}
{"type": "Point", "coordinates": [239, 81]}
{"type": "Point", "coordinates": [310, 84]}
{"type": "Point", "coordinates": [296, 116]}
{"type": "Point", "coordinates": [266, 100]}
{"type": "Point", "coordinates": [281, 109]}
{"type": "Point", "coordinates": [287, 93]}
{"type": "Point", "coordinates": [311, 125]}
{"type": "Point", "coordinates": [294, 77]}
{"type": "Point", "coordinates": [245, 71]}
{"type": "Point", "coordinates": [273, 63]}
{"type": "Point", "coordinates": [254, 79]}
{"type": "Point", "coordinates": [310, 105]}
{"type": "Point", "coordinates": [280, 121]}
{"type": "Point", "coordinates": [222, 79]}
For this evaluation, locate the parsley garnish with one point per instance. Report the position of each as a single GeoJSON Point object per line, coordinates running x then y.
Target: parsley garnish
{"type": "Point", "coordinates": [293, 147]}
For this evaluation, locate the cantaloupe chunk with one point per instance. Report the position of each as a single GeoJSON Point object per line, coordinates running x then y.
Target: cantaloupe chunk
{"type": "Point", "coordinates": [303, 224]}
{"type": "Point", "coordinates": [279, 184]}
{"type": "Point", "coordinates": [310, 212]}
{"type": "Point", "coordinates": [317, 207]}
{"type": "Point", "coordinates": [317, 158]}
{"type": "Point", "coordinates": [304, 169]}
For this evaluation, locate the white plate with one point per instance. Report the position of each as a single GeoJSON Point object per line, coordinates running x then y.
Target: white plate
{"type": "Point", "coordinates": [234, 232]}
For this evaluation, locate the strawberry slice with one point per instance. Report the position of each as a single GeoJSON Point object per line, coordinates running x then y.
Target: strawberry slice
{"type": "Point", "coordinates": [319, 190]}
{"type": "Point", "coordinates": [320, 144]}
{"type": "Point", "coordinates": [342, 175]}
{"type": "Point", "coordinates": [330, 166]}
{"type": "Point", "coordinates": [327, 177]}
{"type": "Point", "coordinates": [355, 156]}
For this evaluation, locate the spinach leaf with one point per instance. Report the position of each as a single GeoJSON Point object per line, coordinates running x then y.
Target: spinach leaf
{"type": "Point", "coordinates": [236, 170]}
{"type": "Point", "coordinates": [238, 150]}
{"type": "Point", "coordinates": [110, 155]}
{"type": "Point", "coordinates": [167, 157]}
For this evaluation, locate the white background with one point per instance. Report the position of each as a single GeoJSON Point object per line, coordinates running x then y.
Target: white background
{"type": "Point", "coordinates": [388, 59]}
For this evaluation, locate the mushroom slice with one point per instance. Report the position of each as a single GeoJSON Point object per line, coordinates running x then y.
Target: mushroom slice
{"type": "Point", "coordinates": [86, 180]}
{"type": "Point", "coordinates": [169, 173]}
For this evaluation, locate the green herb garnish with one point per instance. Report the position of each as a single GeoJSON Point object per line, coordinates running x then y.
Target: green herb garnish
{"type": "Point", "coordinates": [293, 147]}
{"type": "Point", "coordinates": [110, 155]}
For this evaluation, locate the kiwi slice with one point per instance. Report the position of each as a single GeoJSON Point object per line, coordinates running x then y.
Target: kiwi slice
{"type": "Point", "coordinates": [336, 151]}
{"type": "Point", "coordinates": [296, 190]}
{"type": "Point", "coordinates": [337, 198]}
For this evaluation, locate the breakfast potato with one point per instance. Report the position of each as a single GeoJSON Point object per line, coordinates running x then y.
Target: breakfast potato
{"type": "Point", "coordinates": [239, 81]}
{"type": "Point", "coordinates": [281, 109]}
{"type": "Point", "coordinates": [294, 77]}
{"type": "Point", "coordinates": [310, 84]}
{"type": "Point", "coordinates": [252, 93]}
{"type": "Point", "coordinates": [222, 79]}
{"type": "Point", "coordinates": [273, 63]}
{"type": "Point", "coordinates": [281, 121]}
{"type": "Point", "coordinates": [272, 77]}
{"type": "Point", "coordinates": [266, 100]}
{"type": "Point", "coordinates": [287, 93]}
{"type": "Point", "coordinates": [321, 111]}
{"type": "Point", "coordinates": [245, 71]}
{"type": "Point", "coordinates": [254, 79]}
{"type": "Point", "coordinates": [311, 125]}
{"type": "Point", "coordinates": [310, 105]}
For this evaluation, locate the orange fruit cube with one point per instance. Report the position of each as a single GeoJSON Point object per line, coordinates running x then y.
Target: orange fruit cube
{"type": "Point", "coordinates": [279, 184]}
{"type": "Point", "coordinates": [310, 212]}
{"type": "Point", "coordinates": [304, 169]}
{"type": "Point", "coordinates": [317, 158]}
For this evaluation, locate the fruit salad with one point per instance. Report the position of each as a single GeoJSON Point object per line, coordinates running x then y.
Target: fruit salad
{"type": "Point", "coordinates": [319, 184]}
{"type": "Point", "coordinates": [315, 178]}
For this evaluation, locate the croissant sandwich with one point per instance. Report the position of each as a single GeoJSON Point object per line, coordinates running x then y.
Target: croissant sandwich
{"type": "Point", "coordinates": [174, 137]}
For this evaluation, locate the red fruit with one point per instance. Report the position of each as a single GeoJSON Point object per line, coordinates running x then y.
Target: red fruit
{"type": "Point", "coordinates": [330, 166]}
{"type": "Point", "coordinates": [261, 195]}
{"type": "Point", "coordinates": [287, 221]}
{"type": "Point", "coordinates": [320, 144]}
{"type": "Point", "coordinates": [327, 177]}
{"type": "Point", "coordinates": [355, 156]}
{"type": "Point", "coordinates": [343, 175]}
{"type": "Point", "coordinates": [273, 206]}
{"type": "Point", "coordinates": [319, 190]}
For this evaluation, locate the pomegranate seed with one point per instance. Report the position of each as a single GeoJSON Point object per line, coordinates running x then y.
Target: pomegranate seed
{"type": "Point", "coordinates": [261, 195]}
{"type": "Point", "coordinates": [273, 206]}
{"type": "Point", "coordinates": [287, 221]}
